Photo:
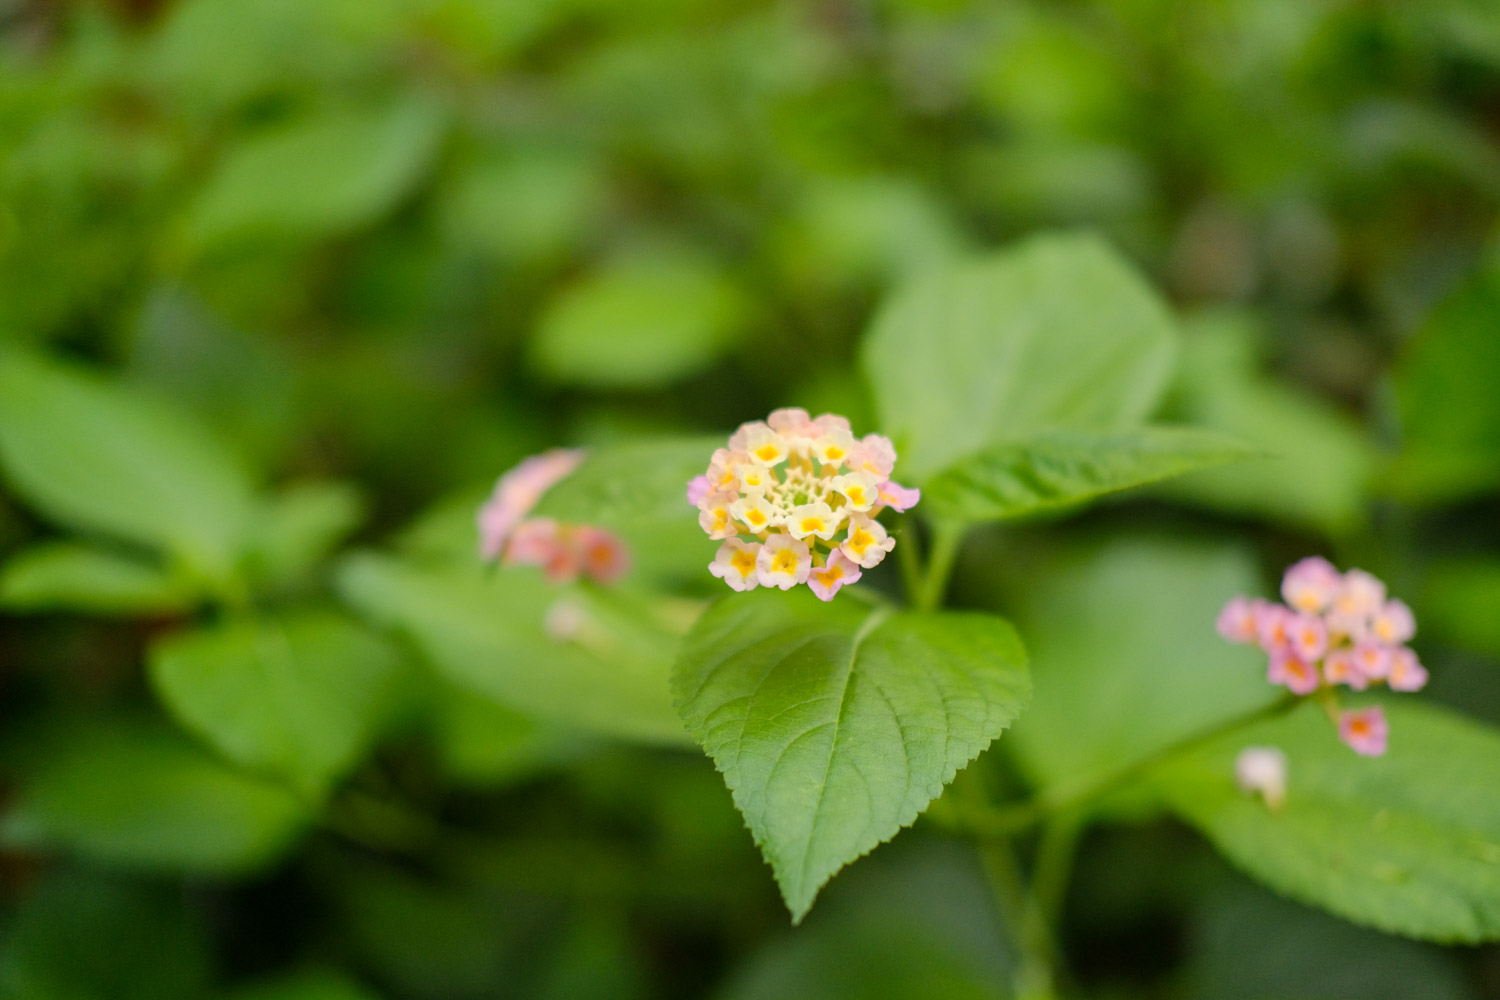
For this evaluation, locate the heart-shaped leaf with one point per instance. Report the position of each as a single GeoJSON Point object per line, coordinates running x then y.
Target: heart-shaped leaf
{"type": "Point", "coordinates": [836, 724]}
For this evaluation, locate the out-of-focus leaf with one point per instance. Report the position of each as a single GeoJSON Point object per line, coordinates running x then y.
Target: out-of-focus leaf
{"type": "Point", "coordinates": [868, 229]}
{"type": "Point", "coordinates": [1408, 843]}
{"type": "Point", "coordinates": [317, 176]}
{"type": "Point", "coordinates": [1450, 410]}
{"type": "Point", "coordinates": [1056, 333]}
{"type": "Point", "coordinates": [141, 797]}
{"type": "Point", "coordinates": [100, 457]}
{"type": "Point", "coordinates": [641, 322]}
{"type": "Point", "coordinates": [1127, 661]}
{"type": "Point", "coordinates": [606, 671]}
{"type": "Point", "coordinates": [1070, 467]}
{"type": "Point", "coordinates": [300, 525]}
{"type": "Point", "coordinates": [67, 576]}
{"type": "Point", "coordinates": [1322, 462]}
{"type": "Point", "coordinates": [142, 944]}
{"type": "Point", "coordinates": [312, 985]}
{"type": "Point", "coordinates": [632, 481]}
{"type": "Point", "coordinates": [530, 204]}
{"type": "Point", "coordinates": [300, 697]}
{"type": "Point", "coordinates": [1461, 602]}
{"type": "Point", "coordinates": [836, 724]}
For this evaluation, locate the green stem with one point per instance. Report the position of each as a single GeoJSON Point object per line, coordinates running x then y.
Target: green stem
{"type": "Point", "coordinates": [1011, 818]}
{"type": "Point", "coordinates": [946, 536]}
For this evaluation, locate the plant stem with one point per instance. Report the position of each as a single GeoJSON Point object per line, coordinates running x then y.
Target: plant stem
{"type": "Point", "coordinates": [946, 536]}
{"type": "Point", "coordinates": [1014, 817]}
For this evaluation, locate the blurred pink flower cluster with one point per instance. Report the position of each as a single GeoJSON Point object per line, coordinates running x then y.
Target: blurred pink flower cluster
{"type": "Point", "coordinates": [791, 486]}
{"type": "Point", "coordinates": [563, 551]}
{"type": "Point", "coordinates": [1335, 629]}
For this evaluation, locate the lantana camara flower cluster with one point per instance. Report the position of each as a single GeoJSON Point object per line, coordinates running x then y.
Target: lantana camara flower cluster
{"type": "Point", "coordinates": [563, 551]}
{"type": "Point", "coordinates": [794, 499]}
{"type": "Point", "coordinates": [1334, 629]}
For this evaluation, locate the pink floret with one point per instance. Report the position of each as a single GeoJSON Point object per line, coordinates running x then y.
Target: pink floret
{"type": "Point", "coordinates": [1365, 731]}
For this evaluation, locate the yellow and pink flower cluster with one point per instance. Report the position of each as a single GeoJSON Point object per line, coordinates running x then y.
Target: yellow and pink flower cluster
{"type": "Point", "coordinates": [789, 488]}
{"type": "Point", "coordinates": [563, 551]}
{"type": "Point", "coordinates": [1335, 628]}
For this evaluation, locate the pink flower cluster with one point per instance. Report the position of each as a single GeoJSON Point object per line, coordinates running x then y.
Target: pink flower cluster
{"type": "Point", "coordinates": [563, 551]}
{"type": "Point", "coordinates": [1335, 628]}
{"type": "Point", "coordinates": [791, 486]}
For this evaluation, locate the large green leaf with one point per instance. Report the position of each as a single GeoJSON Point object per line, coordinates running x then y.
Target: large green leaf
{"type": "Point", "coordinates": [299, 525]}
{"type": "Point", "coordinates": [489, 634]}
{"type": "Point", "coordinates": [1445, 384]}
{"type": "Point", "coordinates": [316, 176]}
{"type": "Point", "coordinates": [68, 576]}
{"type": "Point", "coordinates": [98, 456]}
{"type": "Point", "coordinates": [299, 697]}
{"type": "Point", "coordinates": [143, 797]}
{"type": "Point", "coordinates": [836, 724]}
{"type": "Point", "coordinates": [1126, 658]}
{"type": "Point", "coordinates": [1069, 467]}
{"type": "Point", "coordinates": [632, 482]}
{"type": "Point", "coordinates": [1057, 333]}
{"type": "Point", "coordinates": [1408, 842]}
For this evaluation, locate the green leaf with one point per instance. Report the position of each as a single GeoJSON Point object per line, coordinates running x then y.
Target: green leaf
{"type": "Point", "coordinates": [1459, 602]}
{"type": "Point", "coordinates": [299, 526]}
{"type": "Point", "coordinates": [68, 576]}
{"type": "Point", "coordinates": [99, 456]}
{"type": "Point", "coordinates": [1056, 333]}
{"type": "Point", "coordinates": [1068, 467]}
{"type": "Point", "coordinates": [317, 176]}
{"type": "Point", "coordinates": [142, 797]}
{"type": "Point", "coordinates": [483, 744]}
{"type": "Point", "coordinates": [835, 724]}
{"type": "Point", "coordinates": [1445, 384]}
{"type": "Point", "coordinates": [298, 697]}
{"type": "Point", "coordinates": [143, 943]}
{"type": "Point", "coordinates": [488, 633]}
{"type": "Point", "coordinates": [641, 323]}
{"type": "Point", "coordinates": [1408, 843]}
{"type": "Point", "coordinates": [1127, 661]}
{"type": "Point", "coordinates": [1323, 461]}
{"type": "Point", "coordinates": [637, 481]}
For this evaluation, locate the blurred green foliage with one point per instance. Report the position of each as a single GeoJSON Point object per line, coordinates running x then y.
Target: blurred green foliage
{"type": "Point", "coordinates": [285, 279]}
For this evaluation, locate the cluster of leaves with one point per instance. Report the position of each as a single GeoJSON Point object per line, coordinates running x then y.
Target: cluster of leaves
{"type": "Point", "coordinates": [284, 285]}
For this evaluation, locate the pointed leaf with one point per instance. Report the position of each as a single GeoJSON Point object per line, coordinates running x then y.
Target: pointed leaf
{"type": "Point", "coordinates": [1408, 843]}
{"type": "Point", "coordinates": [72, 577]}
{"type": "Point", "coordinates": [1056, 333]}
{"type": "Point", "coordinates": [1068, 467]}
{"type": "Point", "coordinates": [835, 724]}
{"type": "Point", "coordinates": [100, 456]}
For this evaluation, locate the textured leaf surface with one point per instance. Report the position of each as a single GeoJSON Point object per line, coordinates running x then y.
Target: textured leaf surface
{"type": "Point", "coordinates": [98, 456]}
{"type": "Point", "coordinates": [1069, 467]}
{"type": "Point", "coordinates": [1408, 843]}
{"type": "Point", "coordinates": [143, 797]}
{"type": "Point", "coordinates": [835, 724]}
{"type": "Point", "coordinates": [1126, 658]}
{"type": "Point", "coordinates": [489, 634]}
{"type": "Point", "coordinates": [1056, 333]}
{"type": "Point", "coordinates": [300, 697]}
{"type": "Point", "coordinates": [72, 577]}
